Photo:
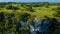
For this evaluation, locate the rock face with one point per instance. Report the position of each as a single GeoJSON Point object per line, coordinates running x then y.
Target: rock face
{"type": "Point", "coordinates": [23, 23]}
{"type": "Point", "coordinates": [45, 26]}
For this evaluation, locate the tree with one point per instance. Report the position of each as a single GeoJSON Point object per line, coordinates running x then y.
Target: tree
{"type": "Point", "coordinates": [1, 16]}
{"type": "Point", "coordinates": [12, 7]}
{"type": "Point", "coordinates": [57, 12]}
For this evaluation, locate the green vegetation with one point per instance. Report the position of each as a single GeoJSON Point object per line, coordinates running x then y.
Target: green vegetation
{"type": "Point", "coordinates": [11, 13]}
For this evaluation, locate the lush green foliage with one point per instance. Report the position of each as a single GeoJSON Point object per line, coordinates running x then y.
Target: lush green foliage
{"type": "Point", "coordinates": [12, 13]}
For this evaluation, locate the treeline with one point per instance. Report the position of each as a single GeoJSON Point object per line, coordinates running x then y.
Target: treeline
{"type": "Point", "coordinates": [30, 3]}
